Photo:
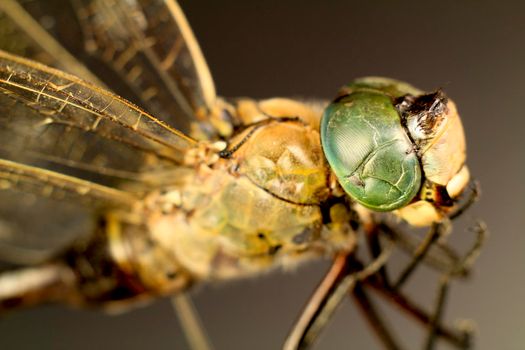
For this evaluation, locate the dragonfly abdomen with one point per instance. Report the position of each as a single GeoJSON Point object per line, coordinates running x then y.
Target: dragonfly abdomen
{"type": "Point", "coordinates": [117, 266]}
{"type": "Point", "coordinates": [30, 286]}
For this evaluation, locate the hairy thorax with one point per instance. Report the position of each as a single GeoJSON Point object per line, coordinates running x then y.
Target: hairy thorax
{"type": "Point", "coordinates": [260, 206]}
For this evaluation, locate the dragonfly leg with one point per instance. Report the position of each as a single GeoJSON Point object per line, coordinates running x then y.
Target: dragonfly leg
{"type": "Point", "coordinates": [347, 274]}
{"type": "Point", "coordinates": [464, 266]}
{"type": "Point", "coordinates": [438, 312]}
{"type": "Point", "coordinates": [375, 321]}
{"type": "Point", "coordinates": [30, 286]}
{"type": "Point", "coordinates": [321, 304]}
{"type": "Point", "coordinates": [460, 338]}
{"type": "Point", "coordinates": [471, 199]}
{"type": "Point", "coordinates": [432, 236]}
{"type": "Point", "coordinates": [190, 322]}
{"type": "Point", "coordinates": [444, 256]}
{"type": "Point", "coordinates": [441, 256]}
{"type": "Point", "coordinates": [342, 277]}
{"type": "Point", "coordinates": [375, 248]}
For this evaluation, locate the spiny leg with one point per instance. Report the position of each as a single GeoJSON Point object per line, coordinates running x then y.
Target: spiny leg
{"type": "Point", "coordinates": [472, 198]}
{"type": "Point", "coordinates": [380, 283]}
{"type": "Point", "coordinates": [448, 262]}
{"type": "Point", "coordinates": [460, 338]}
{"type": "Point", "coordinates": [438, 313]}
{"type": "Point", "coordinates": [431, 239]}
{"type": "Point", "coordinates": [346, 268]}
{"type": "Point", "coordinates": [442, 260]}
{"type": "Point", "coordinates": [374, 247]}
{"type": "Point", "coordinates": [454, 337]}
{"type": "Point", "coordinates": [190, 322]}
{"type": "Point", "coordinates": [441, 257]}
{"type": "Point", "coordinates": [432, 236]}
{"type": "Point", "coordinates": [345, 272]}
{"type": "Point", "coordinates": [432, 321]}
{"type": "Point", "coordinates": [321, 304]}
{"type": "Point", "coordinates": [375, 321]}
{"type": "Point", "coordinates": [464, 265]}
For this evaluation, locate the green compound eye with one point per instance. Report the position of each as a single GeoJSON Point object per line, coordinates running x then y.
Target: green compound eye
{"type": "Point", "coordinates": [368, 148]}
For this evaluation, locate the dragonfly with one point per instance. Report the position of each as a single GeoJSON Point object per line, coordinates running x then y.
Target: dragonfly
{"type": "Point", "coordinates": [124, 177]}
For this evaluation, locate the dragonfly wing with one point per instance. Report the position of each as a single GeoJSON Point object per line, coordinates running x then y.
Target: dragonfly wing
{"type": "Point", "coordinates": [53, 185]}
{"type": "Point", "coordinates": [70, 150]}
{"type": "Point", "coordinates": [143, 50]}
{"type": "Point", "coordinates": [21, 34]}
{"type": "Point", "coordinates": [41, 211]}
{"type": "Point", "coordinates": [54, 120]}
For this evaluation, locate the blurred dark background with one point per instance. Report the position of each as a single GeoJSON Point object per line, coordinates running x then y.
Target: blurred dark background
{"type": "Point", "coordinates": [475, 50]}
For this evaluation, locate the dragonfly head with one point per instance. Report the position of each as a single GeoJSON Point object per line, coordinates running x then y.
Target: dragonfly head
{"type": "Point", "coordinates": [393, 147]}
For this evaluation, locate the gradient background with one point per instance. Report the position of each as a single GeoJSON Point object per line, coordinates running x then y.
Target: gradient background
{"type": "Point", "coordinates": [475, 50]}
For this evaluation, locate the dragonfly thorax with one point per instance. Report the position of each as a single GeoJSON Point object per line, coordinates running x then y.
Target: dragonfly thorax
{"type": "Point", "coordinates": [260, 207]}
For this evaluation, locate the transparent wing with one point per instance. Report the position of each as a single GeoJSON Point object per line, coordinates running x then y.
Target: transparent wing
{"type": "Point", "coordinates": [143, 50]}
{"type": "Point", "coordinates": [68, 150]}
{"type": "Point", "coordinates": [53, 185]}
{"type": "Point", "coordinates": [47, 116]}
{"type": "Point", "coordinates": [21, 34]}
{"type": "Point", "coordinates": [41, 210]}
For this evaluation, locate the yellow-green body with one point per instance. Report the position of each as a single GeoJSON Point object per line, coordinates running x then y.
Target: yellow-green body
{"type": "Point", "coordinates": [257, 209]}
{"type": "Point", "coordinates": [274, 202]}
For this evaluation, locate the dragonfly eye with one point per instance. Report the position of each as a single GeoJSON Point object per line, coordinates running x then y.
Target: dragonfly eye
{"type": "Point", "coordinates": [367, 146]}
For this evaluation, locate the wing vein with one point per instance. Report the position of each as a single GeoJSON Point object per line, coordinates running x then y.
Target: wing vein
{"type": "Point", "coordinates": [14, 174]}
